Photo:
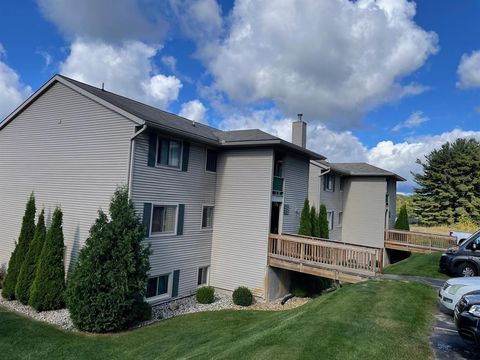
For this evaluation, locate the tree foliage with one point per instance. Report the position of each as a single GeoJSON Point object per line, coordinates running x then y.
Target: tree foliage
{"type": "Point", "coordinates": [402, 219]}
{"type": "Point", "coordinates": [323, 221]}
{"type": "Point", "coordinates": [305, 220]}
{"type": "Point", "coordinates": [106, 289]}
{"type": "Point", "coordinates": [29, 266]}
{"type": "Point", "coordinates": [48, 288]}
{"type": "Point", "coordinates": [27, 233]}
{"type": "Point", "coordinates": [315, 221]}
{"type": "Point", "coordinates": [449, 187]}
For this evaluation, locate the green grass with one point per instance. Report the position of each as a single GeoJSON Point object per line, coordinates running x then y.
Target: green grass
{"type": "Point", "coordinates": [373, 320]}
{"type": "Point", "coordinates": [418, 264]}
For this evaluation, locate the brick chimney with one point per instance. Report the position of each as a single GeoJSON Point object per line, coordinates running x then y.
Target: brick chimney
{"type": "Point", "coordinates": [299, 132]}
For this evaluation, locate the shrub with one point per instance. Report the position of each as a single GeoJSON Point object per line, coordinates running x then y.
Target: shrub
{"type": "Point", "coordinates": [106, 289]}
{"type": "Point", "coordinates": [305, 220]}
{"type": "Point", "coordinates": [206, 295]}
{"type": "Point", "coordinates": [27, 232]}
{"type": "Point", "coordinates": [3, 271]}
{"type": "Point", "coordinates": [323, 222]}
{"type": "Point", "coordinates": [29, 267]}
{"type": "Point", "coordinates": [402, 219]}
{"type": "Point", "coordinates": [315, 220]}
{"type": "Point", "coordinates": [242, 296]}
{"type": "Point", "coordinates": [48, 288]}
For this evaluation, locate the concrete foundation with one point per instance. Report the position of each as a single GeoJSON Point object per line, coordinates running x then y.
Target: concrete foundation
{"type": "Point", "coordinates": [278, 283]}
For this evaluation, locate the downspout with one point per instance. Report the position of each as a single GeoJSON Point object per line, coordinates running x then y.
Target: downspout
{"type": "Point", "coordinates": [131, 158]}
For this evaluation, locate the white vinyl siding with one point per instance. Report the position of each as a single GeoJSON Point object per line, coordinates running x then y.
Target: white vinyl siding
{"type": "Point", "coordinates": [242, 219]}
{"type": "Point", "coordinates": [71, 152]}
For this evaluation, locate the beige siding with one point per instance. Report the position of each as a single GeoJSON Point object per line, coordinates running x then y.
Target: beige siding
{"type": "Point", "coordinates": [314, 185]}
{"type": "Point", "coordinates": [242, 219]}
{"type": "Point", "coordinates": [364, 211]}
{"type": "Point", "coordinates": [295, 173]}
{"type": "Point", "coordinates": [194, 188]}
{"type": "Point", "coordinates": [392, 207]}
{"type": "Point", "coordinates": [69, 150]}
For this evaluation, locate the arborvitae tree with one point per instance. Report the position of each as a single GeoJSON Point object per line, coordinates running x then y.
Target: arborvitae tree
{"type": "Point", "coordinates": [48, 288]}
{"type": "Point", "coordinates": [449, 187]}
{"type": "Point", "coordinates": [29, 267]}
{"type": "Point", "coordinates": [402, 219]}
{"type": "Point", "coordinates": [305, 220]}
{"type": "Point", "coordinates": [106, 289]}
{"type": "Point", "coordinates": [315, 222]}
{"type": "Point", "coordinates": [323, 221]}
{"type": "Point", "coordinates": [18, 256]}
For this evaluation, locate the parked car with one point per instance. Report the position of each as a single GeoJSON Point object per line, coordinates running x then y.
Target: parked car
{"type": "Point", "coordinates": [461, 236]}
{"type": "Point", "coordinates": [453, 289]}
{"type": "Point", "coordinates": [464, 259]}
{"type": "Point", "coordinates": [467, 318]}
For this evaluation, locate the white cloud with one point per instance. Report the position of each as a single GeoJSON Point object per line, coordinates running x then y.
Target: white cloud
{"type": "Point", "coordinates": [469, 71]}
{"type": "Point", "coordinates": [127, 69]}
{"type": "Point", "coordinates": [343, 146]}
{"type": "Point", "coordinates": [194, 110]}
{"type": "Point", "coordinates": [170, 62]}
{"type": "Point", "coordinates": [332, 59]}
{"type": "Point", "coordinates": [110, 21]}
{"type": "Point", "coordinates": [12, 90]}
{"type": "Point", "coordinates": [414, 120]}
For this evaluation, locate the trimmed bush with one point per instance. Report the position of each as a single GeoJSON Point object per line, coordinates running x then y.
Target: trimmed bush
{"type": "Point", "coordinates": [402, 219]}
{"type": "Point", "coordinates": [242, 296]}
{"type": "Point", "coordinates": [314, 219]}
{"type": "Point", "coordinates": [48, 288]}
{"type": "Point", "coordinates": [206, 295]}
{"type": "Point", "coordinates": [3, 272]}
{"type": "Point", "coordinates": [106, 289]}
{"type": "Point", "coordinates": [323, 222]}
{"type": "Point", "coordinates": [29, 267]}
{"type": "Point", "coordinates": [305, 220]}
{"type": "Point", "coordinates": [18, 256]}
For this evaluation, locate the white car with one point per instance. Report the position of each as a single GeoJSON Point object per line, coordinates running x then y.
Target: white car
{"type": "Point", "coordinates": [453, 289]}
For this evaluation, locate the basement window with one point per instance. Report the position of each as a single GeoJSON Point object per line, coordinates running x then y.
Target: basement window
{"type": "Point", "coordinates": [202, 276]}
{"type": "Point", "coordinates": [159, 286]}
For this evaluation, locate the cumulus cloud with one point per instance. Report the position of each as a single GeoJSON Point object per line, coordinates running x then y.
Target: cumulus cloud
{"type": "Point", "coordinates": [12, 90]}
{"type": "Point", "coordinates": [194, 110]}
{"type": "Point", "coordinates": [332, 60]}
{"type": "Point", "coordinates": [469, 71]}
{"type": "Point", "coordinates": [112, 21]}
{"type": "Point", "coordinates": [414, 120]}
{"type": "Point", "coordinates": [127, 69]}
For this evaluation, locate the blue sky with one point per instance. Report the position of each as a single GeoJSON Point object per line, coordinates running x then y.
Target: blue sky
{"type": "Point", "coordinates": [378, 81]}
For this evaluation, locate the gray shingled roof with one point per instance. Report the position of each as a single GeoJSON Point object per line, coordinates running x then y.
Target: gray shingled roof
{"type": "Point", "coordinates": [361, 169]}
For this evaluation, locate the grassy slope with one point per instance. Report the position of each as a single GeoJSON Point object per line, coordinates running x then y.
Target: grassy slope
{"type": "Point", "coordinates": [373, 320]}
{"type": "Point", "coordinates": [418, 264]}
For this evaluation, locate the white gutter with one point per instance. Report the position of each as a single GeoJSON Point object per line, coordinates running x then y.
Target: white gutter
{"type": "Point", "coordinates": [130, 159]}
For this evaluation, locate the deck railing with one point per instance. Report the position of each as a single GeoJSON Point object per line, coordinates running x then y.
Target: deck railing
{"type": "Point", "coordinates": [322, 253]}
{"type": "Point", "coordinates": [417, 241]}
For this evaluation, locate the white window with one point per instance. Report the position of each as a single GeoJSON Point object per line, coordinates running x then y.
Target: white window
{"type": "Point", "coordinates": [329, 182]}
{"type": "Point", "coordinates": [340, 218]}
{"type": "Point", "coordinates": [159, 286]}
{"type": "Point", "coordinates": [164, 218]}
{"type": "Point", "coordinates": [330, 215]}
{"type": "Point", "coordinates": [207, 217]}
{"type": "Point", "coordinates": [202, 276]}
{"type": "Point", "coordinates": [169, 152]}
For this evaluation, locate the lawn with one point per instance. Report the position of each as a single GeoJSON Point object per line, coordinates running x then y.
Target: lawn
{"type": "Point", "coordinates": [418, 264]}
{"type": "Point", "coordinates": [378, 319]}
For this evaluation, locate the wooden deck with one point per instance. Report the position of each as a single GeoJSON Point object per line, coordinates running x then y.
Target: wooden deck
{"type": "Point", "coordinates": [325, 258]}
{"type": "Point", "coordinates": [417, 241]}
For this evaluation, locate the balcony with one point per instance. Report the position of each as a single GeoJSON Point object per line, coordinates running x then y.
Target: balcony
{"type": "Point", "coordinates": [277, 188]}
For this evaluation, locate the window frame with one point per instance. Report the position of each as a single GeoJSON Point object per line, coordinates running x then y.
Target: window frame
{"type": "Point", "coordinates": [159, 234]}
{"type": "Point", "coordinates": [180, 161]}
{"type": "Point", "coordinates": [332, 177]}
{"type": "Point", "coordinates": [340, 218]}
{"type": "Point", "coordinates": [207, 277]}
{"type": "Point", "coordinates": [165, 296]}
{"type": "Point", "coordinates": [201, 217]}
{"type": "Point", "coordinates": [331, 222]}
{"type": "Point", "coordinates": [206, 160]}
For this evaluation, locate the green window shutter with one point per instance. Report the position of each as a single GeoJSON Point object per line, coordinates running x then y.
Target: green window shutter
{"type": "Point", "coordinates": [147, 213]}
{"type": "Point", "coordinates": [152, 149]}
{"type": "Point", "coordinates": [181, 217]}
{"type": "Point", "coordinates": [185, 155]}
{"type": "Point", "coordinates": [176, 279]}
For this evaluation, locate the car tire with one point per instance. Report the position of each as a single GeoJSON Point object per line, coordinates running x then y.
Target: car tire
{"type": "Point", "coordinates": [466, 270]}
